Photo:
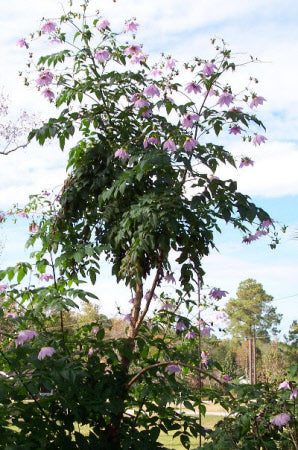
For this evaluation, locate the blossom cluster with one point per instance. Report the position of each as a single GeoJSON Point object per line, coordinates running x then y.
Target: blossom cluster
{"type": "Point", "coordinates": [263, 231]}
{"type": "Point", "coordinates": [25, 335]}
{"type": "Point", "coordinates": [142, 101]}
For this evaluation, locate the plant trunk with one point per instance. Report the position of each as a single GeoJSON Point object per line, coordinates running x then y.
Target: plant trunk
{"type": "Point", "coordinates": [254, 358]}
{"type": "Point", "coordinates": [114, 428]}
{"type": "Point", "coordinates": [250, 360]}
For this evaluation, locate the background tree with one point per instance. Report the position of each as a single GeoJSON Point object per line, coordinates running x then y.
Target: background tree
{"type": "Point", "coordinates": [14, 126]}
{"type": "Point", "coordinates": [252, 316]}
{"type": "Point", "coordinates": [289, 348]}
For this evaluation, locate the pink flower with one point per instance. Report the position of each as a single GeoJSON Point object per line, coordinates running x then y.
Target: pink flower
{"type": "Point", "coordinates": [226, 378]}
{"type": "Point", "coordinates": [46, 351]}
{"type": "Point", "coordinates": [102, 55]}
{"type": "Point", "coordinates": [151, 90]}
{"type": "Point", "coordinates": [213, 177]}
{"type": "Point", "coordinates": [180, 326]}
{"type": "Point", "coordinates": [225, 99]}
{"type": "Point", "coordinates": [141, 103]}
{"type": "Point", "coordinates": [221, 315]}
{"type": "Point", "coordinates": [249, 239]}
{"type": "Point", "coordinates": [95, 330]}
{"type": "Point", "coordinates": [135, 97]}
{"type": "Point", "coordinates": [169, 99]}
{"type": "Point", "coordinates": [235, 130]}
{"type": "Point", "coordinates": [141, 57]}
{"type": "Point", "coordinates": [246, 162]}
{"type": "Point", "coordinates": [188, 120]}
{"type": "Point", "coordinates": [191, 335]}
{"type": "Point", "coordinates": [257, 101]}
{"type": "Point", "coordinates": [24, 336]}
{"type": "Point", "coordinates": [266, 223]}
{"type": "Point", "coordinates": [92, 350]}
{"type": "Point", "coordinates": [294, 394]}
{"type": "Point", "coordinates": [45, 78]}
{"type": "Point", "coordinates": [260, 233]}
{"type": "Point", "coordinates": [170, 278]}
{"type": "Point", "coordinates": [170, 64]}
{"type": "Point", "coordinates": [159, 374]}
{"type": "Point", "coordinates": [173, 368]}
{"type": "Point", "coordinates": [147, 113]}
{"type": "Point", "coordinates": [48, 27]}
{"type": "Point", "coordinates": [254, 237]}
{"type": "Point", "coordinates": [284, 385]}
{"type": "Point", "coordinates": [156, 72]}
{"type": "Point", "coordinates": [55, 41]}
{"type": "Point", "coordinates": [209, 93]}
{"type": "Point", "coordinates": [147, 296]}
{"type": "Point", "coordinates": [12, 315]}
{"type": "Point", "coordinates": [209, 69]}
{"type": "Point", "coordinates": [259, 139]}
{"type": "Point", "coordinates": [169, 145]}
{"type": "Point", "coordinates": [280, 420]}
{"type": "Point", "coordinates": [130, 26]}
{"type": "Point", "coordinates": [45, 277]}
{"type": "Point", "coordinates": [132, 50]}
{"type": "Point", "coordinates": [217, 293]}
{"type": "Point", "coordinates": [236, 109]}
{"type": "Point", "coordinates": [204, 357]}
{"type": "Point", "coordinates": [47, 93]}
{"type": "Point", "coordinates": [193, 87]}
{"type": "Point", "coordinates": [22, 43]}
{"type": "Point", "coordinates": [189, 144]}
{"type": "Point", "coordinates": [151, 141]}
{"type": "Point", "coordinates": [127, 317]}
{"type": "Point", "coordinates": [205, 331]}
{"type": "Point", "coordinates": [103, 24]}
{"type": "Point", "coordinates": [121, 154]}
{"type": "Point", "coordinates": [132, 300]}
{"type": "Point", "coordinates": [168, 306]}
{"type": "Point", "coordinates": [23, 214]}
{"type": "Point", "coordinates": [3, 288]}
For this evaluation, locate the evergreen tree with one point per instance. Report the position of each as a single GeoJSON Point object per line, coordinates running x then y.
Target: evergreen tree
{"type": "Point", "coordinates": [251, 312]}
{"type": "Point", "coordinates": [252, 316]}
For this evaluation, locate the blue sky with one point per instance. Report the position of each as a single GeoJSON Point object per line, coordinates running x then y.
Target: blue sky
{"type": "Point", "coordinates": [266, 29]}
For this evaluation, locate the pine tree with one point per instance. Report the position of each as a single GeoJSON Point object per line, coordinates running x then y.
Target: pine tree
{"type": "Point", "coordinates": [252, 316]}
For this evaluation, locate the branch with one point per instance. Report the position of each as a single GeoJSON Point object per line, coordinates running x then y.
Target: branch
{"type": "Point", "coordinates": [6, 152]}
{"type": "Point", "coordinates": [150, 296]}
{"type": "Point", "coordinates": [179, 363]}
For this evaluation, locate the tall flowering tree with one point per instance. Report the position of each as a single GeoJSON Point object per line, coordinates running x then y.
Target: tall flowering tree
{"type": "Point", "coordinates": [141, 188]}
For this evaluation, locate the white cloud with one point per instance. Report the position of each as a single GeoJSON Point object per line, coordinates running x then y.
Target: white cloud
{"type": "Point", "coordinates": [274, 173]}
{"type": "Point", "coordinates": [30, 171]}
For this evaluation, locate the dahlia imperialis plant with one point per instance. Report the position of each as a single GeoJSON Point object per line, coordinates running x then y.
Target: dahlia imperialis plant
{"type": "Point", "coordinates": [141, 187]}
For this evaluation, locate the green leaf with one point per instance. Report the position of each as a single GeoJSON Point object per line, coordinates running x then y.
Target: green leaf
{"type": "Point", "coordinates": [92, 275]}
{"type": "Point", "coordinates": [185, 440]}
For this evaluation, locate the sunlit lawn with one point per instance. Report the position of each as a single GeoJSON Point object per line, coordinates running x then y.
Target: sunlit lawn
{"type": "Point", "coordinates": [170, 443]}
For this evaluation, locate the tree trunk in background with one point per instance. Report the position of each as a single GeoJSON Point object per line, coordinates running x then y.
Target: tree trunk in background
{"type": "Point", "coordinates": [250, 360]}
{"type": "Point", "coordinates": [254, 358]}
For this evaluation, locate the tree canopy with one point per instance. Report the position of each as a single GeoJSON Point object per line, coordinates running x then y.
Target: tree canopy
{"type": "Point", "coordinates": [251, 312]}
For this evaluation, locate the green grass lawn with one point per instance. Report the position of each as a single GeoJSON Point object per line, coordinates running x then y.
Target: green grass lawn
{"type": "Point", "coordinates": [170, 443]}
